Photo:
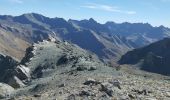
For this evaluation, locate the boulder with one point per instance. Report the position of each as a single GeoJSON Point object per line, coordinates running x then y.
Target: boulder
{"type": "Point", "coordinates": [168, 94]}
{"type": "Point", "coordinates": [91, 81]}
{"type": "Point", "coordinates": [131, 96]}
{"type": "Point", "coordinates": [71, 97]}
{"type": "Point", "coordinates": [107, 88]}
{"type": "Point", "coordinates": [92, 68]}
{"type": "Point", "coordinates": [63, 60]}
{"type": "Point", "coordinates": [81, 68]}
{"type": "Point", "coordinates": [116, 83]}
{"type": "Point", "coordinates": [85, 93]}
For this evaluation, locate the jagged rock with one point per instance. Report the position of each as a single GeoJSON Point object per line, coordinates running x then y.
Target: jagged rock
{"type": "Point", "coordinates": [63, 60]}
{"type": "Point", "coordinates": [116, 83]}
{"type": "Point", "coordinates": [168, 94]}
{"type": "Point", "coordinates": [14, 76]}
{"type": "Point", "coordinates": [91, 81]}
{"type": "Point", "coordinates": [105, 97]}
{"type": "Point", "coordinates": [38, 87]}
{"type": "Point", "coordinates": [5, 90]}
{"type": "Point", "coordinates": [22, 72]}
{"type": "Point", "coordinates": [28, 55]}
{"type": "Point", "coordinates": [131, 96]}
{"type": "Point", "coordinates": [62, 85]}
{"type": "Point", "coordinates": [15, 82]}
{"type": "Point", "coordinates": [6, 63]}
{"type": "Point", "coordinates": [51, 39]}
{"type": "Point", "coordinates": [85, 93]}
{"type": "Point", "coordinates": [144, 91]}
{"type": "Point", "coordinates": [92, 68]}
{"type": "Point", "coordinates": [37, 73]}
{"type": "Point", "coordinates": [107, 88]}
{"type": "Point", "coordinates": [37, 95]}
{"type": "Point", "coordinates": [71, 97]}
{"type": "Point", "coordinates": [151, 99]}
{"type": "Point", "coordinates": [81, 68]}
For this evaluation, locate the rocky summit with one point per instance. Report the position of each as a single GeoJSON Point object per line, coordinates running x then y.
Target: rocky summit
{"type": "Point", "coordinates": [59, 70]}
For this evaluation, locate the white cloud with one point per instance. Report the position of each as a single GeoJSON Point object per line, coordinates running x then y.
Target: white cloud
{"type": "Point", "coordinates": [131, 12]}
{"type": "Point", "coordinates": [107, 8]}
{"type": "Point", "coordinates": [17, 1]}
{"type": "Point", "coordinates": [89, 6]}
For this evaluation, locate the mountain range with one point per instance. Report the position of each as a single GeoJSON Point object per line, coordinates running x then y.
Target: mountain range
{"type": "Point", "coordinates": [109, 41]}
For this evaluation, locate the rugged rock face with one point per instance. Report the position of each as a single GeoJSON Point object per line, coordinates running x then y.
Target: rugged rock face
{"type": "Point", "coordinates": [22, 72]}
{"type": "Point", "coordinates": [154, 58]}
{"type": "Point", "coordinates": [12, 73]}
{"type": "Point", "coordinates": [6, 63]}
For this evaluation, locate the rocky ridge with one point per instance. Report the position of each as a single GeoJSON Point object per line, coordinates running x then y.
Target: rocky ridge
{"type": "Point", "coordinates": [60, 70]}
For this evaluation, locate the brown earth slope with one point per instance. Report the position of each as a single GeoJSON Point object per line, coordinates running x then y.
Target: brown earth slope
{"type": "Point", "coordinates": [11, 45]}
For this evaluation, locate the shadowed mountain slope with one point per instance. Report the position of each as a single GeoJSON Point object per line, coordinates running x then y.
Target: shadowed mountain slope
{"type": "Point", "coordinates": [153, 58]}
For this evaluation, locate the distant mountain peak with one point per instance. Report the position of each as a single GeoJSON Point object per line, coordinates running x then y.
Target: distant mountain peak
{"type": "Point", "coordinates": [31, 14]}
{"type": "Point", "coordinates": [92, 20]}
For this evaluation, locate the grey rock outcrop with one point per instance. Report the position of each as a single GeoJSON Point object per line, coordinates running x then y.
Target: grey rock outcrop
{"type": "Point", "coordinates": [22, 72]}
{"type": "Point", "coordinates": [12, 73]}
{"type": "Point", "coordinates": [6, 63]}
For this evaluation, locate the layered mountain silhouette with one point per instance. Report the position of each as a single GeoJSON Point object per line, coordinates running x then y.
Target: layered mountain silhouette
{"type": "Point", "coordinates": [152, 58]}
{"type": "Point", "coordinates": [108, 41]}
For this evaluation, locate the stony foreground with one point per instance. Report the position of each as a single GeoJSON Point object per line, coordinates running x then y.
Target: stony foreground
{"type": "Point", "coordinates": [125, 86]}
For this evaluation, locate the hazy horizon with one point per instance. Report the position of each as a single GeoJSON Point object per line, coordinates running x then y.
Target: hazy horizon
{"type": "Point", "coordinates": [90, 18]}
{"type": "Point", "coordinates": [154, 12]}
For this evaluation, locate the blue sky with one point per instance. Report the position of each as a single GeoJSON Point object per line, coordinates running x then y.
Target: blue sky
{"type": "Point", "coordinates": [155, 12]}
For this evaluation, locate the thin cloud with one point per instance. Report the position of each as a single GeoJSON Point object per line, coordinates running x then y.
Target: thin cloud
{"type": "Point", "coordinates": [89, 6]}
{"type": "Point", "coordinates": [131, 12]}
{"type": "Point", "coordinates": [17, 1]}
{"type": "Point", "coordinates": [107, 8]}
{"type": "Point", "coordinates": [165, 0]}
